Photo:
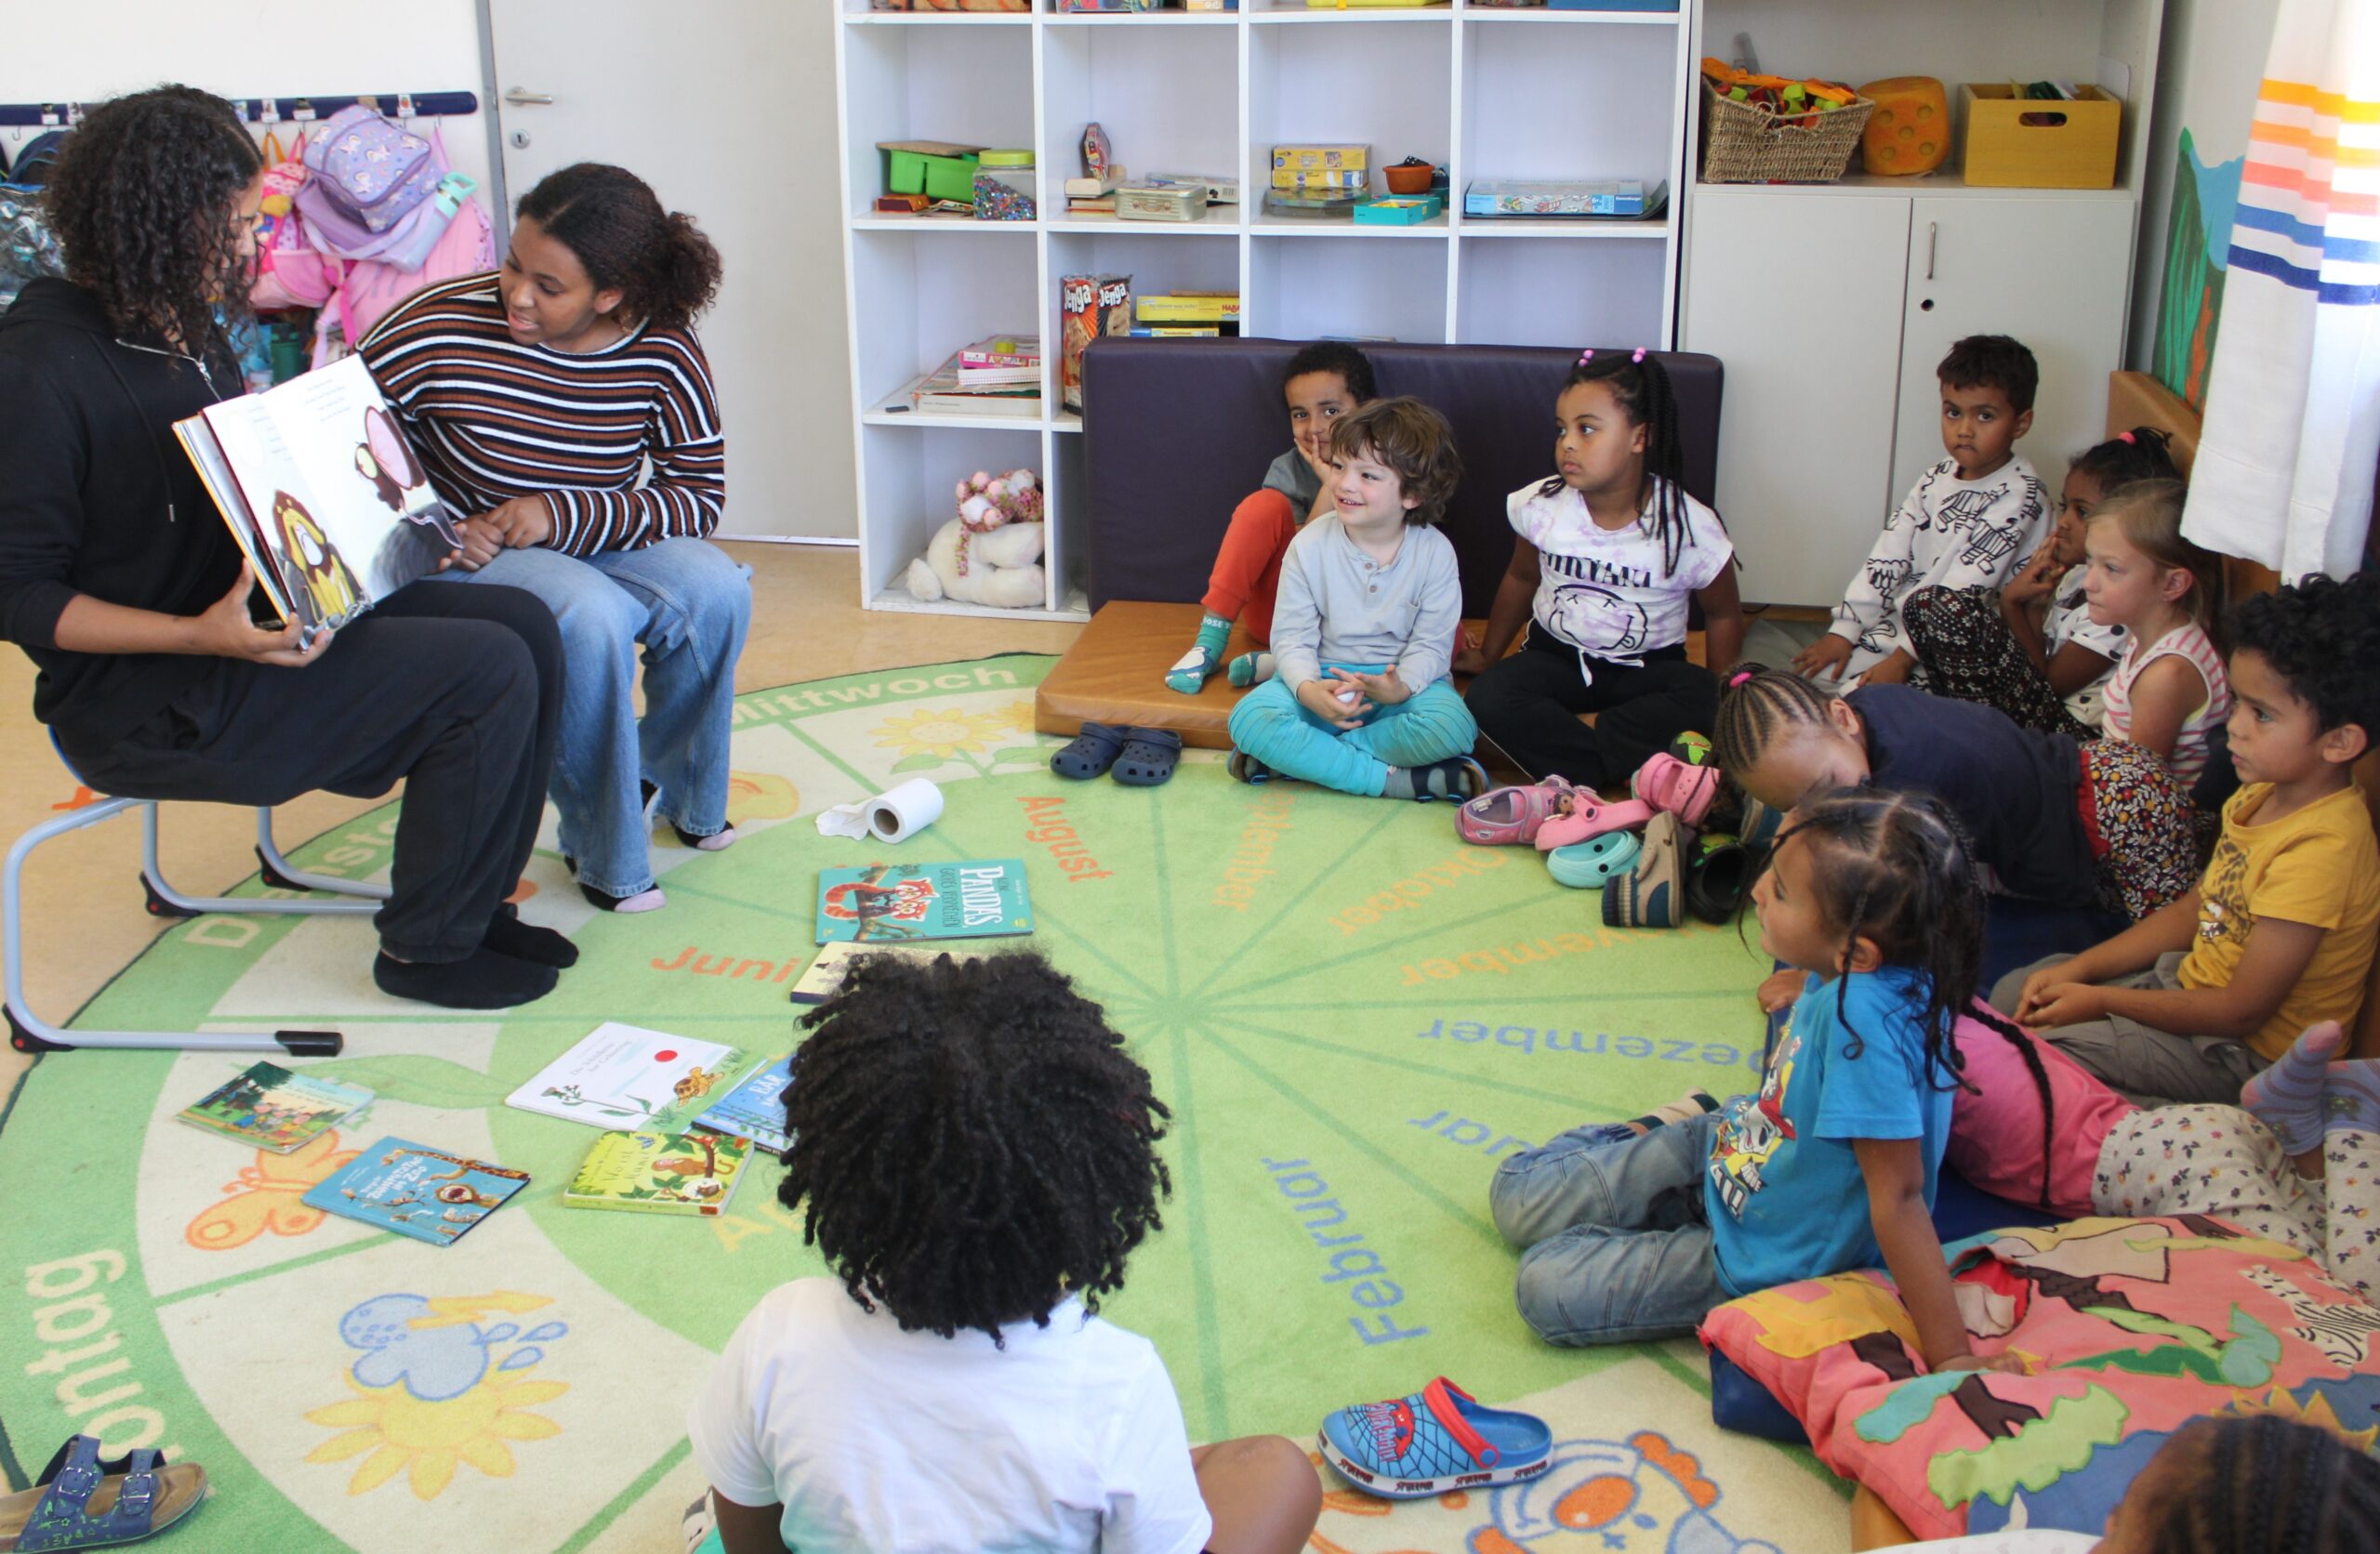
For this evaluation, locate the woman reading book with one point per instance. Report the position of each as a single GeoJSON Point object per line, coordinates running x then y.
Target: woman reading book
{"type": "Point", "coordinates": [540, 397]}
{"type": "Point", "coordinates": [125, 587]}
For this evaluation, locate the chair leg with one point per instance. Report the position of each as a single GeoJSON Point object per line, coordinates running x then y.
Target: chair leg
{"type": "Point", "coordinates": [29, 1033]}
{"type": "Point", "coordinates": [282, 875]}
{"type": "Point", "coordinates": [183, 905]}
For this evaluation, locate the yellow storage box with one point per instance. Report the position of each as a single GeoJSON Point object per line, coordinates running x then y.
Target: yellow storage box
{"type": "Point", "coordinates": [2015, 142]}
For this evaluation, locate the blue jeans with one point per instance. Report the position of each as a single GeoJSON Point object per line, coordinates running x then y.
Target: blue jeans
{"type": "Point", "coordinates": [1618, 1242]}
{"type": "Point", "coordinates": [1429, 726]}
{"type": "Point", "coordinates": [689, 604]}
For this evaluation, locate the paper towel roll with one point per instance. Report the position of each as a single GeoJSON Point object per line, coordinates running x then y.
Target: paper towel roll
{"type": "Point", "coordinates": [902, 812]}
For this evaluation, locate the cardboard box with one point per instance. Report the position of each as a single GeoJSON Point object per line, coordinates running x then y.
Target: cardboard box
{"type": "Point", "coordinates": [2014, 142]}
{"type": "Point", "coordinates": [937, 170]}
{"type": "Point", "coordinates": [1316, 158]}
{"type": "Point", "coordinates": [1398, 210]}
{"type": "Point", "coordinates": [1313, 180]}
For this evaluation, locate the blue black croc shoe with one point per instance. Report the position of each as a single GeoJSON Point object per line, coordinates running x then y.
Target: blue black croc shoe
{"type": "Point", "coordinates": [1434, 1441]}
{"type": "Point", "coordinates": [81, 1502]}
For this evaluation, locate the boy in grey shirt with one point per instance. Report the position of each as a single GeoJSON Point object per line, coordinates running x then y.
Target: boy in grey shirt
{"type": "Point", "coordinates": [1368, 611]}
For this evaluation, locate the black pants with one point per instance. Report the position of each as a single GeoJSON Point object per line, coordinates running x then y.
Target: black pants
{"type": "Point", "coordinates": [456, 690]}
{"type": "Point", "coordinates": [1529, 705]}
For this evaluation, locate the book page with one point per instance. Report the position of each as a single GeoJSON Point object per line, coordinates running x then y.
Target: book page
{"type": "Point", "coordinates": [264, 565]}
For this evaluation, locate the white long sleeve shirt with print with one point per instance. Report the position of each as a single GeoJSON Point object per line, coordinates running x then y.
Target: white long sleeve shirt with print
{"type": "Point", "coordinates": [1957, 534]}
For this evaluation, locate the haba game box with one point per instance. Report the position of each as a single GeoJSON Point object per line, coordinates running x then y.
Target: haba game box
{"type": "Point", "coordinates": [417, 1190]}
{"type": "Point", "coordinates": [981, 898]}
{"type": "Point", "coordinates": [692, 1173]}
{"type": "Point", "coordinates": [322, 491]}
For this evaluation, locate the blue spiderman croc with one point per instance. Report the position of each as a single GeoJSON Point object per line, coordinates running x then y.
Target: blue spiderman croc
{"type": "Point", "coordinates": [1434, 1441]}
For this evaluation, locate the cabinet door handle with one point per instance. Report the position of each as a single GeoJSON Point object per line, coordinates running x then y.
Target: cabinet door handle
{"type": "Point", "coordinates": [1932, 231]}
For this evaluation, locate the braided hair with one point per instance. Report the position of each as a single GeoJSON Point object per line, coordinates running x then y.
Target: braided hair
{"type": "Point", "coordinates": [972, 1142]}
{"type": "Point", "coordinates": [2014, 1035]}
{"type": "Point", "coordinates": [2258, 1484]}
{"type": "Point", "coordinates": [1760, 703]}
{"type": "Point", "coordinates": [1641, 384]}
{"type": "Point", "coordinates": [1894, 868]}
{"type": "Point", "coordinates": [2142, 454]}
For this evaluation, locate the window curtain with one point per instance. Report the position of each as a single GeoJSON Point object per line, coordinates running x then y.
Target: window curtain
{"type": "Point", "coordinates": [2284, 467]}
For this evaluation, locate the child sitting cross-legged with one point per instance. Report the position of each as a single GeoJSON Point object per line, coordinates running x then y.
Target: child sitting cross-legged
{"type": "Point", "coordinates": [975, 1154]}
{"type": "Point", "coordinates": [1634, 1230]}
{"type": "Point", "coordinates": [2278, 935]}
{"type": "Point", "coordinates": [1369, 609]}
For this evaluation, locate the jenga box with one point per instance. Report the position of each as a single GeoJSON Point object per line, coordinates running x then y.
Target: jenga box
{"type": "Point", "coordinates": [1089, 305]}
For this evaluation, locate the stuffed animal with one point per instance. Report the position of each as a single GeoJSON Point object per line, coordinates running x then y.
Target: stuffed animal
{"type": "Point", "coordinates": [990, 553]}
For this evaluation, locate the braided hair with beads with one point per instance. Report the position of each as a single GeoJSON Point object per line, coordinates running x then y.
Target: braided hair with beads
{"type": "Point", "coordinates": [972, 1144]}
{"type": "Point", "coordinates": [1641, 385]}
{"type": "Point", "coordinates": [2261, 1484]}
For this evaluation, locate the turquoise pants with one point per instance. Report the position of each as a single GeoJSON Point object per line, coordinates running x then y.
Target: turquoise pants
{"type": "Point", "coordinates": [1431, 726]}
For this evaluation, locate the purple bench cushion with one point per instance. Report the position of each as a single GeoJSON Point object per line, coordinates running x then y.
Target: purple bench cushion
{"type": "Point", "coordinates": [1176, 431]}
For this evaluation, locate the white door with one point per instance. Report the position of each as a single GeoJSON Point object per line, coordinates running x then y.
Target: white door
{"type": "Point", "coordinates": [2053, 272]}
{"type": "Point", "coordinates": [1799, 296]}
{"type": "Point", "coordinates": [727, 107]}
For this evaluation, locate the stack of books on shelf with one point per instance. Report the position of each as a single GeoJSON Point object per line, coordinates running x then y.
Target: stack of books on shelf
{"type": "Point", "coordinates": [1170, 313]}
{"type": "Point", "coordinates": [999, 375]}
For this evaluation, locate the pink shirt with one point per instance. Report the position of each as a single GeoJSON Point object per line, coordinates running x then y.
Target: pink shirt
{"type": "Point", "coordinates": [1996, 1136]}
{"type": "Point", "coordinates": [2191, 747]}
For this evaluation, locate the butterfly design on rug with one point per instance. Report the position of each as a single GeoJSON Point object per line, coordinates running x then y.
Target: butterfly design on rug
{"type": "Point", "coordinates": [266, 1197]}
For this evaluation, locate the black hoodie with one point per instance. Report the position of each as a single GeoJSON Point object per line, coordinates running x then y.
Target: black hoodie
{"type": "Point", "coordinates": [97, 497]}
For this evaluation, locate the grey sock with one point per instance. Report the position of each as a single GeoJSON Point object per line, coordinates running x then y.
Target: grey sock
{"type": "Point", "coordinates": [1456, 777]}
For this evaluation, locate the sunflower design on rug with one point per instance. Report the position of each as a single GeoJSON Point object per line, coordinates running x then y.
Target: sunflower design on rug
{"type": "Point", "coordinates": [931, 737]}
{"type": "Point", "coordinates": [432, 1393]}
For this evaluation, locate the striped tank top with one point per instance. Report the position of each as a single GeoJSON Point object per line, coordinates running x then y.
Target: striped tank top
{"type": "Point", "coordinates": [2191, 745]}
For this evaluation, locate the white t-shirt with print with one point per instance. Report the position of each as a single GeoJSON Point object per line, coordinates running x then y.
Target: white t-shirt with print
{"type": "Point", "coordinates": [881, 1441]}
{"type": "Point", "coordinates": [1609, 592]}
{"type": "Point", "coordinates": [2069, 621]}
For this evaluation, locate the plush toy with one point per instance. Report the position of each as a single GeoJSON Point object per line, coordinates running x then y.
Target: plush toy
{"type": "Point", "coordinates": [990, 553]}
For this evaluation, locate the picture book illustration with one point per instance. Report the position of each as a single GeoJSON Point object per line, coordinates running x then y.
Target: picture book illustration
{"type": "Point", "coordinates": [975, 899]}
{"type": "Point", "coordinates": [269, 1108]}
{"type": "Point", "coordinates": [824, 976]}
{"type": "Point", "coordinates": [755, 1110]}
{"type": "Point", "coordinates": [626, 1078]}
{"type": "Point", "coordinates": [658, 1173]}
{"type": "Point", "coordinates": [323, 494]}
{"type": "Point", "coordinates": [416, 1190]}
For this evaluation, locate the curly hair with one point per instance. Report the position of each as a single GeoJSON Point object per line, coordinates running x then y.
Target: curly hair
{"type": "Point", "coordinates": [1641, 385]}
{"type": "Point", "coordinates": [2323, 637]}
{"type": "Point", "coordinates": [2261, 1484]}
{"type": "Point", "coordinates": [666, 270]}
{"type": "Point", "coordinates": [972, 1142]}
{"type": "Point", "coordinates": [1992, 361]}
{"type": "Point", "coordinates": [1334, 356]}
{"type": "Point", "coordinates": [1410, 438]}
{"type": "Point", "coordinates": [145, 202]}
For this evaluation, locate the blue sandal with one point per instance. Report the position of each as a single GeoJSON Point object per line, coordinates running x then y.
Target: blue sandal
{"type": "Point", "coordinates": [1148, 757]}
{"type": "Point", "coordinates": [1090, 752]}
{"type": "Point", "coordinates": [84, 1503]}
{"type": "Point", "coordinates": [1434, 1441]}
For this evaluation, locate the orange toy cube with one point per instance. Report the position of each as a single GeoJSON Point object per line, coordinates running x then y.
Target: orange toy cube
{"type": "Point", "coordinates": [1909, 131]}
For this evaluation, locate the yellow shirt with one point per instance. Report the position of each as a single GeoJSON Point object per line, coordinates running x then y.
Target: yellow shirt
{"type": "Point", "coordinates": [2320, 866]}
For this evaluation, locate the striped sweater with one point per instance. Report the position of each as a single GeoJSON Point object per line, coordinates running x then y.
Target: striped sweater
{"type": "Point", "coordinates": [493, 420]}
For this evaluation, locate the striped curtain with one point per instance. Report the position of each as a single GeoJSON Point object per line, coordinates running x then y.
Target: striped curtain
{"type": "Point", "coordinates": [2284, 467]}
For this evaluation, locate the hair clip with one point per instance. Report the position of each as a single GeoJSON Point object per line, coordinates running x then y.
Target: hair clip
{"type": "Point", "coordinates": [1638, 355]}
{"type": "Point", "coordinates": [1737, 679]}
{"type": "Point", "coordinates": [2126, 437]}
{"type": "Point", "coordinates": [1586, 356]}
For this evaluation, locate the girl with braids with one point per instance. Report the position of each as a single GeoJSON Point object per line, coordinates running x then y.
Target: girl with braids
{"type": "Point", "coordinates": [2033, 650]}
{"type": "Point", "coordinates": [975, 1156]}
{"type": "Point", "coordinates": [1609, 547]}
{"type": "Point", "coordinates": [127, 592]}
{"type": "Point", "coordinates": [540, 396]}
{"type": "Point", "coordinates": [2049, 819]}
{"type": "Point", "coordinates": [1635, 1232]}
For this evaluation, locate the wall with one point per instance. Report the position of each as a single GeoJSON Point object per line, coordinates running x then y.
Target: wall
{"type": "Point", "coordinates": [2211, 65]}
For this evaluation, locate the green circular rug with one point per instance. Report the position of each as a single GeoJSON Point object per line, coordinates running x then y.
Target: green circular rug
{"type": "Point", "coordinates": [1352, 1014]}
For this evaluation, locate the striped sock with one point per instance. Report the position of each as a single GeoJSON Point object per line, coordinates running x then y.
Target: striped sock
{"type": "Point", "coordinates": [2351, 1094]}
{"type": "Point", "coordinates": [2288, 1097]}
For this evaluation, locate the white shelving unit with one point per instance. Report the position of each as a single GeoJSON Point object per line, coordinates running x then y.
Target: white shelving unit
{"type": "Point", "coordinates": [1486, 92]}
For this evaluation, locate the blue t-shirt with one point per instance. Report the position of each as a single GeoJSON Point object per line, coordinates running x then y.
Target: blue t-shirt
{"type": "Point", "coordinates": [1784, 1192]}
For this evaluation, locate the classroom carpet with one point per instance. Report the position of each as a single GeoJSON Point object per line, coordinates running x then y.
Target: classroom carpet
{"type": "Point", "coordinates": [1352, 1014]}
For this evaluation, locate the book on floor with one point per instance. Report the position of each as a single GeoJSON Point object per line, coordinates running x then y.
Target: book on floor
{"type": "Point", "coordinates": [979, 898]}
{"type": "Point", "coordinates": [271, 1109]}
{"type": "Point", "coordinates": [692, 1173]}
{"type": "Point", "coordinates": [755, 1110]}
{"type": "Point", "coordinates": [825, 975]}
{"type": "Point", "coordinates": [323, 493]}
{"type": "Point", "coordinates": [417, 1190]}
{"type": "Point", "coordinates": [624, 1077]}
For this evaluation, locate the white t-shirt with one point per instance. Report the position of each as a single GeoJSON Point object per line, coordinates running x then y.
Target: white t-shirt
{"type": "Point", "coordinates": [881, 1441]}
{"type": "Point", "coordinates": [2069, 621]}
{"type": "Point", "coordinates": [1609, 592]}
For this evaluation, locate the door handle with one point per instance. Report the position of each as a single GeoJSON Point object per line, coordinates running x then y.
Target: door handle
{"type": "Point", "coordinates": [520, 98]}
{"type": "Point", "coordinates": [1932, 231]}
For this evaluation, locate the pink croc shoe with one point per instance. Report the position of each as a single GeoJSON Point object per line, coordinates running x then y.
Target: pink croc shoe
{"type": "Point", "coordinates": [1509, 817]}
{"type": "Point", "coordinates": [1666, 783]}
{"type": "Point", "coordinates": [1588, 817]}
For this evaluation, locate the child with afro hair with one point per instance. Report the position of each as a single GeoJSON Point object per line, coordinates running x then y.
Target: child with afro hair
{"type": "Point", "coordinates": [975, 1154]}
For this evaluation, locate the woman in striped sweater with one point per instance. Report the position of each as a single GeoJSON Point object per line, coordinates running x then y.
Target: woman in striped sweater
{"type": "Point", "coordinates": [540, 397]}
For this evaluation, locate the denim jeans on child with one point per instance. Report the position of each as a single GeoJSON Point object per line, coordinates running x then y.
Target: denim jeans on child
{"type": "Point", "coordinates": [689, 604]}
{"type": "Point", "coordinates": [1430, 725]}
{"type": "Point", "coordinates": [1618, 1242]}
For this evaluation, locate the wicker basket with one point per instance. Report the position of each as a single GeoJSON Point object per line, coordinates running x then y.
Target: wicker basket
{"type": "Point", "coordinates": [1745, 144]}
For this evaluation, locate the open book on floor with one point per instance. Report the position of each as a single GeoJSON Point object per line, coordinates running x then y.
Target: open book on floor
{"type": "Point", "coordinates": [323, 493]}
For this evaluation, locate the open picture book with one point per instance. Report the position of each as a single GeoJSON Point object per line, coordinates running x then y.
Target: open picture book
{"type": "Point", "coordinates": [324, 494]}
